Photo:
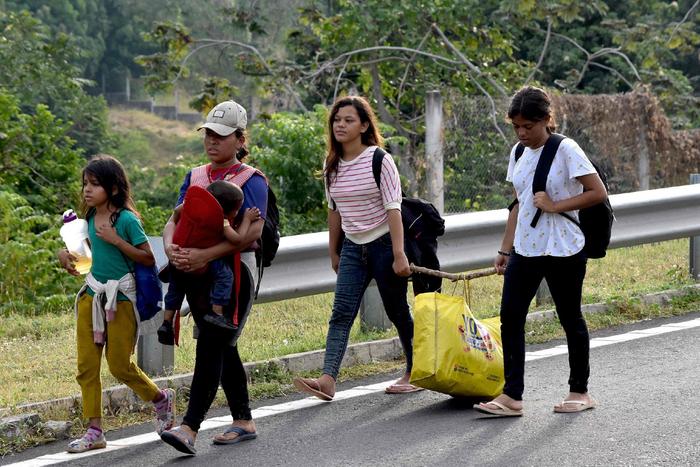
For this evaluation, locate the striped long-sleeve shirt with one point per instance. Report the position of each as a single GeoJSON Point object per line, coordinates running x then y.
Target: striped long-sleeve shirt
{"type": "Point", "coordinates": [362, 206]}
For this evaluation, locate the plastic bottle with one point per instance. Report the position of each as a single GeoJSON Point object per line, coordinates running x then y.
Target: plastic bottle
{"type": "Point", "coordinates": [75, 235]}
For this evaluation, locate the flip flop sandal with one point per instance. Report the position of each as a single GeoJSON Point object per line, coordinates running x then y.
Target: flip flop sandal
{"type": "Point", "coordinates": [501, 411]}
{"type": "Point", "coordinates": [243, 435]}
{"type": "Point", "coordinates": [180, 440]}
{"type": "Point", "coordinates": [302, 384]}
{"type": "Point", "coordinates": [575, 406]}
{"type": "Point", "coordinates": [402, 389]}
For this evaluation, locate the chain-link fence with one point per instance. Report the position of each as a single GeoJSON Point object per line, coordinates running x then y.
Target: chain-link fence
{"type": "Point", "coordinates": [475, 156]}
{"type": "Point", "coordinates": [627, 135]}
{"type": "Point", "coordinates": [131, 93]}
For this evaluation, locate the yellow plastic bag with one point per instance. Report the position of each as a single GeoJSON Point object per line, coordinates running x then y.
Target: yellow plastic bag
{"type": "Point", "coordinates": [454, 353]}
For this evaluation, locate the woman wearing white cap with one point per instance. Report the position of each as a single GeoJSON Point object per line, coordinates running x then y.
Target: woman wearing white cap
{"type": "Point", "coordinates": [217, 359]}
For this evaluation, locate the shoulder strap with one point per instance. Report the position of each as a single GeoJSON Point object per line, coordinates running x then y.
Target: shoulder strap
{"type": "Point", "coordinates": [519, 149]}
{"type": "Point", "coordinates": [199, 176]}
{"type": "Point", "coordinates": [377, 160]}
{"type": "Point", "coordinates": [539, 181]}
{"type": "Point", "coordinates": [243, 174]}
{"type": "Point", "coordinates": [126, 260]}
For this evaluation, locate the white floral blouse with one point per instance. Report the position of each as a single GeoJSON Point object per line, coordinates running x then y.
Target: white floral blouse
{"type": "Point", "coordinates": [554, 235]}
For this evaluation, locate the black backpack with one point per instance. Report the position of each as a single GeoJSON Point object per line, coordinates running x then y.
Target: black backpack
{"type": "Point", "coordinates": [594, 221]}
{"type": "Point", "coordinates": [422, 225]}
{"type": "Point", "coordinates": [270, 237]}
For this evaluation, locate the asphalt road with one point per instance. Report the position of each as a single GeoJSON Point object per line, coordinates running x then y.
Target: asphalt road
{"type": "Point", "coordinates": [648, 412]}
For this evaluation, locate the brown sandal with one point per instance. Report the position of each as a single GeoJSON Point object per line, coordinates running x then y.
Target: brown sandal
{"type": "Point", "coordinates": [311, 386]}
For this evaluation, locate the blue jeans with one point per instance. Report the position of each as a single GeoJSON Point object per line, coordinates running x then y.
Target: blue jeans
{"type": "Point", "coordinates": [359, 264]}
{"type": "Point", "coordinates": [564, 276]}
{"type": "Point", "coordinates": [222, 287]}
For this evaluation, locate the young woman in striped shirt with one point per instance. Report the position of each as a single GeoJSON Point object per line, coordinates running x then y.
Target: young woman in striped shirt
{"type": "Point", "coordinates": [372, 247]}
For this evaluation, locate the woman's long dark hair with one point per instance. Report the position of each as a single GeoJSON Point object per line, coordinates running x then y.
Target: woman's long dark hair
{"type": "Point", "coordinates": [110, 174]}
{"type": "Point", "coordinates": [371, 137]}
{"type": "Point", "coordinates": [532, 104]}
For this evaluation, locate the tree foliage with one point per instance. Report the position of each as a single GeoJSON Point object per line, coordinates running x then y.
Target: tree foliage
{"type": "Point", "coordinates": [289, 149]}
{"type": "Point", "coordinates": [394, 52]}
{"type": "Point", "coordinates": [40, 69]}
{"type": "Point", "coordinates": [32, 281]}
{"type": "Point", "coordinates": [37, 158]}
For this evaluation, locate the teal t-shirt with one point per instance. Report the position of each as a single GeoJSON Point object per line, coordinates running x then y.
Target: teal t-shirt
{"type": "Point", "coordinates": [108, 263]}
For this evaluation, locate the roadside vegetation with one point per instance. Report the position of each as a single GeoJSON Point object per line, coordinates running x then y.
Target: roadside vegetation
{"type": "Point", "coordinates": [299, 325]}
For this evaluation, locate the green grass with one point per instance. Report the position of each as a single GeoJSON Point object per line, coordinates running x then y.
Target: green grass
{"type": "Point", "coordinates": [622, 274]}
{"type": "Point", "coordinates": [624, 311]}
{"type": "Point", "coordinates": [37, 355]}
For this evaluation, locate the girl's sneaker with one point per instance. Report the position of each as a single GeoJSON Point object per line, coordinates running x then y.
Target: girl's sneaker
{"type": "Point", "coordinates": [165, 411]}
{"type": "Point", "coordinates": [92, 439]}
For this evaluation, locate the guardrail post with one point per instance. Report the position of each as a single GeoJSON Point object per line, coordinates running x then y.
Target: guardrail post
{"type": "Point", "coordinates": [543, 296]}
{"type": "Point", "coordinates": [153, 357]}
{"type": "Point", "coordinates": [372, 314]}
{"type": "Point", "coordinates": [433, 150]}
{"type": "Point", "coordinates": [694, 256]}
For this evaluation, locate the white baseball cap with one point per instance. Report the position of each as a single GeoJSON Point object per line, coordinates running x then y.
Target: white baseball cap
{"type": "Point", "coordinates": [226, 118]}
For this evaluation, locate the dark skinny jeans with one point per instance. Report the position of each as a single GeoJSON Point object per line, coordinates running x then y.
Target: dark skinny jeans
{"type": "Point", "coordinates": [564, 276]}
{"type": "Point", "coordinates": [217, 360]}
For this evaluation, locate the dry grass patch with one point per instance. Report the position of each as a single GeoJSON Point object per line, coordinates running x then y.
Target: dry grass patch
{"type": "Point", "coordinates": [121, 119]}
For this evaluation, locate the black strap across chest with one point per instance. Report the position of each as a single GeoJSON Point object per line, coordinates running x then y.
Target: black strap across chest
{"type": "Point", "coordinates": [544, 164]}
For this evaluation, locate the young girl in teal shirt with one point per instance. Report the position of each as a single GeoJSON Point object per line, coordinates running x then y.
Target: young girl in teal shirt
{"type": "Point", "coordinates": [106, 316]}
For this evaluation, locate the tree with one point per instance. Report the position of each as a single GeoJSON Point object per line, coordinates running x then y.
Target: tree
{"type": "Point", "coordinates": [394, 52]}
{"type": "Point", "coordinates": [289, 149]}
{"type": "Point", "coordinates": [38, 69]}
{"type": "Point", "coordinates": [609, 47]}
{"type": "Point", "coordinates": [31, 281]}
{"type": "Point", "coordinates": [83, 21]}
{"type": "Point", "coordinates": [37, 159]}
{"type": "Point", "coordinates": [394, 56]}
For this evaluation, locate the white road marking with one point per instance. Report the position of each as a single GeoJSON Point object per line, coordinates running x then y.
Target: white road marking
{"type": "Point", "coordinates": [262, 412]}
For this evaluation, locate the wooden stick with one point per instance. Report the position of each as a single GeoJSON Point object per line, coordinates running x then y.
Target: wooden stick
{"type": "Point", "coordinates": [451, 276]}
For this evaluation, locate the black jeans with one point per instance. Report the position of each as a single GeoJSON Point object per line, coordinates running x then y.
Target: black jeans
{"type": "Point", "coordinates": [564, 276]}
{"type": "Point", "coordinates": [217, 360]}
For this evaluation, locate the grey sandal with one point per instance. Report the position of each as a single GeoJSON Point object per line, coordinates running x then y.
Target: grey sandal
{"type": "Point", "coordinates": [180, 440]}
{"type": "Point", "coordinates": [243, 435]}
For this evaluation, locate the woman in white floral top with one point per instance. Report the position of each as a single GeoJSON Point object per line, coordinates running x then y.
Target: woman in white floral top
{"type": "Point", "coordinates": [551, 250]}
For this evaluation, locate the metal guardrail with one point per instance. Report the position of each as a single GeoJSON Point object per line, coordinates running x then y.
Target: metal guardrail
{"type": "Point", "coordinates": [302, 266]}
